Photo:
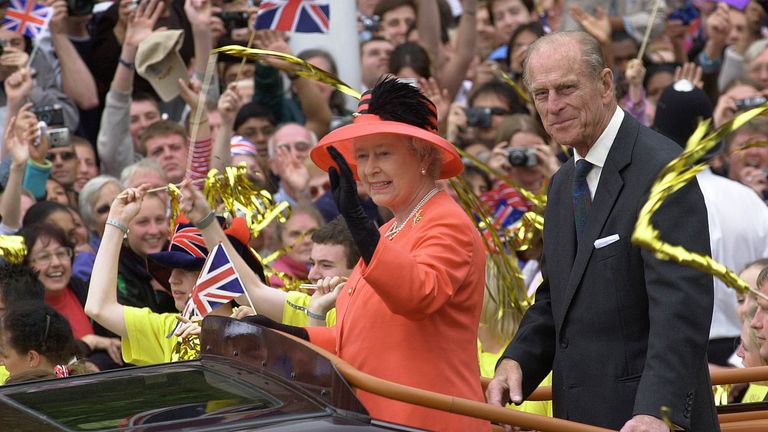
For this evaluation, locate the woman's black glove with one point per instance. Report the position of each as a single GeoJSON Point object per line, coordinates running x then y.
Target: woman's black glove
{"type": "Point", "coordinates": [263, 321]}
{"type": "Point", "coordinates": [344, 190]}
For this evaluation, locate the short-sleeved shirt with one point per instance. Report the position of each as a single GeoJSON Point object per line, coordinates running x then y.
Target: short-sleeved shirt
{"type": "Point", "coordinates": [147, 342]}
{"type": "Point", "coordinates": [295, 310]}
{"type": "Point", "coordinates": [3, 375]}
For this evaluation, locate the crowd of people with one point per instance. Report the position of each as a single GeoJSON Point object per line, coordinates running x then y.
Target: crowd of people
{"type": "Point", "coordinates": [560, 97]}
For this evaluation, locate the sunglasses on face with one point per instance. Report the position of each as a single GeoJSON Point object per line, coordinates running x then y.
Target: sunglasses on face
{"type": "Point", "coordinates": [65, 156]}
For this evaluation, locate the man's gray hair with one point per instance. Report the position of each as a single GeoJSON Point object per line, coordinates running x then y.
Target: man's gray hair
{"type": "Point", "coordinates": [591, 53]}
{"type": "Point", "coordinates": [89, 194]}
{"type": "Point", "coordinates": [271, 142]}
{"type": "Point", "coordinates": [145, 164]}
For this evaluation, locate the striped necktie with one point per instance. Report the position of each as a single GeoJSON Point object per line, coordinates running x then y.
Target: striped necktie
{"type": "Point", "coordinates": [582, 201]}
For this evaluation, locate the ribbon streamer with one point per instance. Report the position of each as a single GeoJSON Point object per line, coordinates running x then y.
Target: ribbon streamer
{"type": "Point", "coordinates": [673, 177]}
{"type": "Point", "coordinates": [290, 64]}
{"type": "Point", "coordinates": [539, 200]}
{"type": "Point", "coordinates": [239, 194]}
{"type": "Point", "coordinates": [511, 294]}
{"type": "Point", "coordinates": [13, 249]}
{"type": "Point", "coordinates": [510, 82]}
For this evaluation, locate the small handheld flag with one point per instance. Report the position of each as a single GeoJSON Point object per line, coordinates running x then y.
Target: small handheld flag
{"type": "Point", "coordinates": [27, 17]}
{"type": "Point", "coordinates": [301, 16]}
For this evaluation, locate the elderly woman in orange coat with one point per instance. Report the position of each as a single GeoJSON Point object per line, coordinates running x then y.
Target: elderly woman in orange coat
{"type": "Point", "coordinates": [409, 312]}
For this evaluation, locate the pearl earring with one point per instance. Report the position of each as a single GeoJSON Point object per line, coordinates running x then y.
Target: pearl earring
{"type": "Point", "coordinates": [423, 171]}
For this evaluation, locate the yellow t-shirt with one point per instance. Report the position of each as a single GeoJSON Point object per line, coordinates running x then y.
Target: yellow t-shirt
{"type": "Point", "coordinates": [488, 367]}
{"type": "Point", "coordinates": [295, 310]}
{"type": "Point", "coordinates": [755, 393]}
{"type": "Point", "coordinates": [147, 342]}
{"type": "Point", "coordinates": [3, 375]}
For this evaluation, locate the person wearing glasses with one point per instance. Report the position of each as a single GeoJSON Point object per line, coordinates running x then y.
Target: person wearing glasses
{"type": "Point", "coordinates": [50, 256]}
{"type": "Point", "coordinates": [64, 168]}
{"type": "Point", "coordinates": [94, 201]}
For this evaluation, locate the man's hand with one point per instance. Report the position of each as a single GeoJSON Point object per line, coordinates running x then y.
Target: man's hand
{"type": "Point", "coordinates": [438, 96]}
{"type": "Point", "coordinates": [229, 104]}
{"type": "Point", "coordinates": [644, 423]}
{"type": "Point", "coordinates": [58, 22]}
{"type": "Point", "coordinates": [324, 299]}
{"type": "Point", "coordinates": [13, 58]}
{"type": "Point", "coordinates": [718, 26]}
{"type": "Point", "coordinates": [18, 87]}
{"type": "Point", "coordinates": [506, 385]}
{"type": "Point", "coordinates": [635, 73]}
{"type": "Point", "coordinates": [690, 71]}
{"type": "Point", "coordinates": [142, 20]}
{"type": "Point", "coordinates": [599, 25]}
{"type": "Point", "coordinates": [293, 174]}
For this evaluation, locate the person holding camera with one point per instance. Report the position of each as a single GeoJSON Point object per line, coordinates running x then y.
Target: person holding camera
{"type": "Point", "coordinates": [524, 155]}
{"type": "Point", "coordinates": [489, 104]}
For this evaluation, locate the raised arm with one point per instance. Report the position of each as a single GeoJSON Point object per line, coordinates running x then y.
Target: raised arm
{"type": "Point", "coordinates": [453, 72]}
{"type": "Point", "coordinates": [102, 303]}
{"type": "Point", "coordinates": [267, 301]}
{"type": "Point", "coordinates": [77, 82]}
{"type": "Point", "coordinates": [114, 141]}
{"type": "Point", "coordinates": [19, 136]}
{"type": "Point", "coordinates": [229, 103]}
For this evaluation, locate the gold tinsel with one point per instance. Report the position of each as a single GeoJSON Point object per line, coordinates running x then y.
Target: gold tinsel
{"type": "Point", "coordinates": [673, 177]}
{"type": "Point", "coordinates": [289, 283]}
{"type": "Point", "coordinates": [539, 200]}
{"type": "Point", "coordinates": [173, 196]}
{"type": "Point", "coordinates": [511, 295]}
{"type": "Point", "coordinates": [510, 82]}
{"type": "Point", "coordinates": [13, 249]}
{"type": "Point", "coordinates": [187, 348]}
{"type": "Point", "coordinates": [292, 65]}
{"type": "Point", "coordinates": [238, 193]}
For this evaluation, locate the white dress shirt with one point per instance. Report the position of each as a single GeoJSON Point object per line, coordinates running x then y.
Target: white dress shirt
{"type": "Point", "coordinates": [599, 150]}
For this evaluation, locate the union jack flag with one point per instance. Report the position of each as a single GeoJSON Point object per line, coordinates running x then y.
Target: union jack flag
{"type": "Point", "coordinates": [218, 282]}
{"type": "Point", "coordinates": [301, 16]}
{"type": "Point", "coordinates": [27, 17]}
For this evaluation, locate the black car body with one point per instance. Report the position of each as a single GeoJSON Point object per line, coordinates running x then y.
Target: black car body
{"type": "Point", "coordinates": [247, 378]}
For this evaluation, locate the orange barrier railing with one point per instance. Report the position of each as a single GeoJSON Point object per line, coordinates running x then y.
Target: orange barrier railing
{"type": "Point", "coordinates": [718, 377]}
{"type": "Point", "coordinates": [456, 405]}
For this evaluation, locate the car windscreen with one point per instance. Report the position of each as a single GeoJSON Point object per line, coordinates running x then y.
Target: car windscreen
{"type": "Point", "coordinates": [146, 398]}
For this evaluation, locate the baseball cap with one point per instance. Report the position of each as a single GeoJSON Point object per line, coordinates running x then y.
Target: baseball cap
{"type": "Point", "coordinates": [159, 62]}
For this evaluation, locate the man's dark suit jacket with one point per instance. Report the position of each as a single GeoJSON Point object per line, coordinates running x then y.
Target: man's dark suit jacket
{"type": "Point", "coordinates": [624, 332]}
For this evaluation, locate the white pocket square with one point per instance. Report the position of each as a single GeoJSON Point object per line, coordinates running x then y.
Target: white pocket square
{"type": "Point", "coordinates": [605, 241]}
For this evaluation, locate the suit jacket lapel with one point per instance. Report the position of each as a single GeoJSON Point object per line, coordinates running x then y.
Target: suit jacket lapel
{"type": "Point", "coordinates": [608, 190]}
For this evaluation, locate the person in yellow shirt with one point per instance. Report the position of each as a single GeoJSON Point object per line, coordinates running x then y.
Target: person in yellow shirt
{"type": "Point", "coordinates": [145, 334]}
{"type": "Point", "coordinates": [333, 256]}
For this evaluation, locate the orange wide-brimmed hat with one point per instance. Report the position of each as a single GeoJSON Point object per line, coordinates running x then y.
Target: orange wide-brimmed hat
{"type": "Point", "coordinates": [391, 107]}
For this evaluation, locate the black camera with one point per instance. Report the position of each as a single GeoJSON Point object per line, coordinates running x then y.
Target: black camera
{"type": "Point", "coordinates": [80, 7]}
{"type": "Point", "coordinates": [53, 117]}
{"type": "Point", "coordinates": [478, 117]}
{"type": "Point", "coordinates": [752, 102]}
{"type": "Point", "coordinates": [234, 20]}
{"type": "Point", "coordinates": [522, 156]}
{"type": "Point", "coordinates": [370, 23]}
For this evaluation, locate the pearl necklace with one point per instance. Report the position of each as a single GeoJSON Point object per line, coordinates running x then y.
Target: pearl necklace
{"type": "Point", "coordinates": [394, 228]}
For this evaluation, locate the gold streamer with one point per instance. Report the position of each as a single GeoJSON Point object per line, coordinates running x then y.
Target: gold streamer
{"type": "Point", "coordinates": [238, 193]}
{"type": "Point", "coordinates": [524, 231]}
{"type": "Point", "coordinates": [173, 195]}
{"type": "Point", "coordinates": [673, 177]}
{"type": "Point", "coordinates": [511, 295]}
{"type": "Point", "coordinates": [187, 348]}
{"type": "Point", "coordinates": [13, 249]}
{"type": "Point", "coordinates": [292, 65]}
{"type": "Point", "coordinates": [539, 200]}
{"type": "Point", "coordinates": [510, 82]}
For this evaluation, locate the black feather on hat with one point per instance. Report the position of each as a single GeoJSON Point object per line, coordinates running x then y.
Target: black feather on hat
{"type": "Point", "coordinates": [395, 100]}
{"type": "Point", "coordinates": [391, 107]}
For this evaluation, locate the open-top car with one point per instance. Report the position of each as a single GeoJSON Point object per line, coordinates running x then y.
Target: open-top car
{"type": "Point", "coordinates": [252, 378]}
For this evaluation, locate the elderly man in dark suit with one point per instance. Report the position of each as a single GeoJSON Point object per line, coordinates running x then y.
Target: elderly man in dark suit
{"type": "Point", "coordinates": [625, 333]}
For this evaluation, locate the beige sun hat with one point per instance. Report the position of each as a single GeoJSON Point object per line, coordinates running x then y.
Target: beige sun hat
{"type": "Point", "coordinates": [159, 62]}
